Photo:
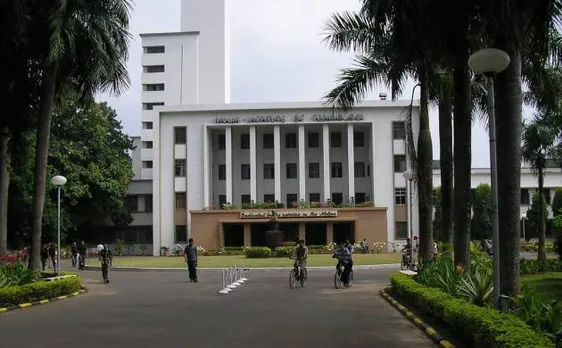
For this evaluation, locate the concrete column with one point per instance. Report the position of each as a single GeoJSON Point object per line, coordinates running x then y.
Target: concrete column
{"type": "Point", "coordinates": [228, 157]}
{"type": "Point", "coordinates": [350, 162]}
{"type": "Point", "coordinates": [247, 235]}
{"type": "Point", "coordinates": [329, 232]}
{"type": "Point", "coordinates": [206, 174]}
{"type": "Point", "coordinates": [221, 234]}
{"type": "Point", "coordinates": [277, 161]}
{"type": "Point", "coordinates": [326, 160]}
{"type": "Point", "coordinates": [302, 165]}
{"type": "Point", "coordinates": [253, 166]}
{"type": "Point", "coordinates": [373, 167]}
{"type": "Point", "coordinates": [302, 231]}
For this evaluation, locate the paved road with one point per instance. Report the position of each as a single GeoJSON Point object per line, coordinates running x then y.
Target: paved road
{"type": "Point", "coordinates": [148, 309]}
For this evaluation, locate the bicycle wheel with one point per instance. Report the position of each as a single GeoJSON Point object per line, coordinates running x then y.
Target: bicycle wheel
{"type": "Point", "coordinates": [304, 277]}
{"type": "Point", "coordinates": [292, 279]}
{"type": "Point", "coordinates": [337, 280]}
{"type": "Point", "coordinates": [350, 281]}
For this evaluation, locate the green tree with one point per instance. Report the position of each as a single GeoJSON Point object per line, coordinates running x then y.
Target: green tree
{"type": "Point", "coordinates": [80, 42]}
{"type": "Point", "coordinates": [557, 202]}
{"type": "Point", "coordinates": [437, 214]}
{"type": "Point", "coordinates": [534, 218]}
{"type": "Point", "coordinates": [481, 226]}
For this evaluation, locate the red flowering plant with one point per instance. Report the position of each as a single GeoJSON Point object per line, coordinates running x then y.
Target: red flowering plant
{"type": "Point", "coordinates": [13, 272]}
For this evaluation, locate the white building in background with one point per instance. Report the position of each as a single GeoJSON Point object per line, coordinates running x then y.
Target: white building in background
{"type": "Point", "coordinates": [198, 152]}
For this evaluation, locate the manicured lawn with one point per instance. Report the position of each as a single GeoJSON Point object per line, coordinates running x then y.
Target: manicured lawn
{"type": "Point", "coordinates": [231, 260]}
{"type": "Point", "coordinates": [549, 285]}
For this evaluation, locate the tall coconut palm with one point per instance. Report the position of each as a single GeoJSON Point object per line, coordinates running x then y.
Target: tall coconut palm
{"type": "Point", "coordinates": [85, 43]}
{"type": "Point", "coordinates": [539, 146]}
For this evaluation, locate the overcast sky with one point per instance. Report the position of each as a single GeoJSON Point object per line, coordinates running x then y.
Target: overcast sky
{"type": "Point", "coordinates": [276, 55]}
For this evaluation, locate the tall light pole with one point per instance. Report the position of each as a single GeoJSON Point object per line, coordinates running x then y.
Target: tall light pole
{"type": "Point", "coordinates": [58, 181]}
{"type": "Point", "coordinates": [489, 62]}
{"type": "Point", "coordinates": [409, 177]}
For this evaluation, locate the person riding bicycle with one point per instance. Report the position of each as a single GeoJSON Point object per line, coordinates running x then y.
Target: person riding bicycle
{"type": "Point", "coordinates": [106, 258]}
{"type": "Point", "coordinates": [300, 255]}
{"type": "Point", "coordinates": [344, 254]}
{"type": "Point", "coordinates": [407, 252]}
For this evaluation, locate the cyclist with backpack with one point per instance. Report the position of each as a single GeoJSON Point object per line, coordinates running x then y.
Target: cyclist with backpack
{"type": "Point", "coordinates": [300, 254]}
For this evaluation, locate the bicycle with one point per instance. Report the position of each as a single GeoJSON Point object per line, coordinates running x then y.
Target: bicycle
{"type": "Point", "coordinates": [297, 275]}
{"type": "Point", "coordinates": [338, 277]}
{"type": "Point", "coordinates": [408, 263]}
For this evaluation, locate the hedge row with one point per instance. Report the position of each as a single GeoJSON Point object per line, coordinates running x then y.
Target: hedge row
{"type": "Point", "coordinates": [477, 326]}
{"type": "Point", "coordinates": [41, 290]}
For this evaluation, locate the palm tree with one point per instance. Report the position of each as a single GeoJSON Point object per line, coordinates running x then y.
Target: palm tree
{"type": "Point", "coordinates": [86, 44]}
{"type": "Point", "coordinates": [537, 148]}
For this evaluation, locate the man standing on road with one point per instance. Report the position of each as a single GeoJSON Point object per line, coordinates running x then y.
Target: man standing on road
{"type": "Point", "coordinates": [190, 254]}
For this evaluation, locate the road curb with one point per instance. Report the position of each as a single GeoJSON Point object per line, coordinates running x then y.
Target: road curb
{"type": "Point", "coordinates": [184, 269]}
{"type": "Point", "coordinates": [41, 302]}
{"type": "Point", "coordinates": [428, 330]}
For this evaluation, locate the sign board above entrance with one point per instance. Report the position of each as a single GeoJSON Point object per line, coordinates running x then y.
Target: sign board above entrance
{"type": "Point", "coordinates": [294, 118]}
{"type": "Point", "coordinates": [288, 214]}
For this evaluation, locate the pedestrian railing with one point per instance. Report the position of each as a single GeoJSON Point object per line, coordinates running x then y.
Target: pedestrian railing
{"type": "Point", "coordinates": [232, 278]}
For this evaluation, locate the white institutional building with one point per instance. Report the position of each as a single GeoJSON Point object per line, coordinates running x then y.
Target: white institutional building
{"type": "Point", "coordinates": [334, 175]}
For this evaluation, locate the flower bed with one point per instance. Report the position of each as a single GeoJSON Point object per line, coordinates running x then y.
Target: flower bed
{"type": "Point", "coordinates": [477, 326]}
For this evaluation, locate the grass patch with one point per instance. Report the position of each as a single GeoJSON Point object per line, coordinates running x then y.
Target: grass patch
{"type": "Point", "coordinates": [548, 285]}
{"type": "Point", "coordinates": [230, 260]}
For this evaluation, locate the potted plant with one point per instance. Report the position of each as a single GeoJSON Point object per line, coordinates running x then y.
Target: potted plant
{"type": "Point", "coordinates": [164, 251]}
{"type": "Point", "coordinates": [142, 248]}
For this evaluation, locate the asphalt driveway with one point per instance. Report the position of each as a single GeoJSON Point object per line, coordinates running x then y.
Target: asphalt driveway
{"type": "Point", "coordinates": [148, 309]}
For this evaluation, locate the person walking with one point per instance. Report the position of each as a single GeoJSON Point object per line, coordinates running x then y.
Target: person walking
{"type": "Point", "coordinates": [82, 255]}
{"type": "Point", "coordinates": [190, 254]}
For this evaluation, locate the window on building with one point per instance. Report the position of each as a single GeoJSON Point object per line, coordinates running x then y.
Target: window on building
{"type": "Point", "coordinates": [268, 141]}
{"type": "Point", "coordinates": [147, 125]}
{"type": "Point", "coordinates": [222, 201]}
{"type": "Point", "coordinates": [400, 196]}
{"type": "Point", "coordinates": [525, 197]}
{"type": "Point", "coordinates": [180, 135]}
{"type": "Point", "coordinates": [314, 197]}
{"type": "Point", "coordinates": [335, 139]}
{"type": "Point", "coordinates": [147, 164]}
{"type": "Point", "coordinates": [268, 171]}
{"type": "Point", "coordinates": [313, 140]}
{"type": "Point", "coordinates": [145, 234]}
{"type": "Point", "coordinates": [359, 169]}
{"type": "Point", "coordinates": [147, 144]}
{"type": "Point", "coordinates": [337, 171]}
{"type": "Point", "coordinates": [313, 170]}
{"type": "Point", "coordinates": [148, 203]}
{"type": "Point", "coordinates": [181, 200]}
{"type": "Point", "coordinates": [245, 172]}
{"type": "Point", "coordinates": [180, 167]}
{"type": "Point", "coordinates": [401, 230]}
{"type": "Point", "coordinates": [153, 68]}
{"type": "Point", "coordinates": [181, 234]}
{"type": "Point", "coordinates": [154, 49]}
{"type": "Point", "coordinates": [222, 141]}
{"type": "Point", "coordinates": [292, 200]}
{"type": "Point", "coordinates": [269, 198]}
{"type": "Point", "coordinates": [399, 163]}
{"type": "Point", "coordinates": [245, 141]}
{"type": "Point", "coordinates": [246, 199]}
{"type": "Point", "coordinates": [337, 197]}
{"type": "Point", "coordinates": [359, 139]}
{"type": "Point", "coordinates": [222, 171]}
{"type": "Point", "coordinates": [398, 130]}
{"type": "Point", "coordinates": [150, 106]}
{"type": "Point", "coordinates": [291, 170]}
{"type": "Point", "coordinates": [360, 197]}
{"type": "Point", "coordinates": [291, 140]}
{"type": "Point", "coordinates": [133, 203]}
{"type": "Point", "coordinates": [153, 87]}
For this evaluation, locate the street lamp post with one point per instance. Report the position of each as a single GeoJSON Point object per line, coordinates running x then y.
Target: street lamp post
{"type": "Point", "coordinates": [409, 177]}
{"type": "Point", "coordinates": [489, 62]}
{"type": "Point", "coordinates": [58, 181]}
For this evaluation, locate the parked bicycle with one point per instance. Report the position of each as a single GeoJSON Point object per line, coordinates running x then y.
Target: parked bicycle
{"type": "Point", "coordinates": [338, 277]}
{"type": "Point", "coordinates": [298, 275]}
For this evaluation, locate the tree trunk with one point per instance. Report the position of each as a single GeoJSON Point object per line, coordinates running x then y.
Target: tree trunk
{"type": "Point", "coordinates": [41, 156]}
{"type": "Point", "coordinates": [446, 162]}
{"type": "Point", "coordinates": [425, 176]}
{"type": "Point", "coordinates": [462, 161]}
{"type": "Point", "coordinates": [508, 138]}
{"type": "Point", "coordinates": [542, 225]}
{"type": "Point", "coordinates": [5, 161]}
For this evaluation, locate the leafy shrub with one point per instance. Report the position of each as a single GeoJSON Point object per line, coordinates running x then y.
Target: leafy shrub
{"type": "Point", "coordinates": [284, 251]}
{"type": "Point", "coordinates": [477, 326]}
{"type": "Point", "coordinates": [527, 266]}
{"type": "Point", "coordinates": [119, 247]}
{"type": "Point", "coordinates": [40, 290]}
{"type": "Point", "coordinates": [257, 252]}
{"type": "Point", "coordinates": [539, 314]}
{"type": "Point", "coordinates": [15, 273]}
